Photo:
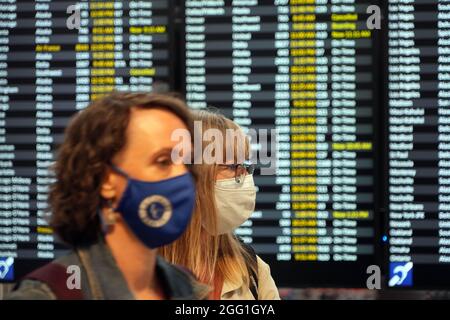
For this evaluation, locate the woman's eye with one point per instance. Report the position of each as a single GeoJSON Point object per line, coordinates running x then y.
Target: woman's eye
{"type": "Point", "coordinates": [164, 162]}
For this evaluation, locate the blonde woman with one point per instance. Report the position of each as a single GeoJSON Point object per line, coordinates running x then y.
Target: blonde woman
{"type": "Point", "coordinates": [225, 199]}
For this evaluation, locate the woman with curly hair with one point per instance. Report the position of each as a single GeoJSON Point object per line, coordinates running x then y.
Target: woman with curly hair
{"type": "Point", "coordinates": [117, 197]}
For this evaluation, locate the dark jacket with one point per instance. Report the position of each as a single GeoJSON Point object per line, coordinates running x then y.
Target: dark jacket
{"type": "Point", "coordinates": [100, 279]}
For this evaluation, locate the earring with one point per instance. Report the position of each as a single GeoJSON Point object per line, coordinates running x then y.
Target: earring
{"type": "Point", "coordinates": [110, 215]}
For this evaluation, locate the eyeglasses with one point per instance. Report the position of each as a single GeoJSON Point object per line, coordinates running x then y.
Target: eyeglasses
{"type": "Point", "coordinates": [240, 170]}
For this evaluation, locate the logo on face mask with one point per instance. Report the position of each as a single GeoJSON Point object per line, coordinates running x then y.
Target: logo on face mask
{"type": "Point", "coordinates": [155, 211]}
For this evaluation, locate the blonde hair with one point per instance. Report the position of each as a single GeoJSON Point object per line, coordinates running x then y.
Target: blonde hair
{"type": "Point", "coordinates": [203, 253]}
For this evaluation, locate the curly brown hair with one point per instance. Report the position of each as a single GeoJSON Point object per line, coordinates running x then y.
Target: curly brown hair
{"type": "Point", "coordinates": [91, 140]}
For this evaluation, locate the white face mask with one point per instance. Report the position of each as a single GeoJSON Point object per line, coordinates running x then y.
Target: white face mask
{"type": "Point", "coordinates": [235, 203]}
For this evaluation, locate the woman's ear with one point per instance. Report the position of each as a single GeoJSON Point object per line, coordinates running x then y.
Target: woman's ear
{"type": "Point", "coordinates": [109, 186]}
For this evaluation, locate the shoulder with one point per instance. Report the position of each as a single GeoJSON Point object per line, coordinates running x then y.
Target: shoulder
{"type": "Point", "coordinates": [267, 289]}
{"type": "Point", "coordinates": [263, 267]}
{"type": "Point", "coordinates": [45, 283]}
{"type": "Point", "coordinates": [180, 282]}
{"type": "Point", "coordinates": [31, 290]}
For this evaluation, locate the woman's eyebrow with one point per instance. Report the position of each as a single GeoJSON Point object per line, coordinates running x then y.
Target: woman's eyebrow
{"type": "Point", "coordinates": [164, 150]}
{"type": "Point", "coordinates": [161, 151]}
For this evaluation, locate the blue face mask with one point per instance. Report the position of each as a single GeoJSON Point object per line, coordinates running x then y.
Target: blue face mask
{"type": "Point", "coordinates": [157, 212]}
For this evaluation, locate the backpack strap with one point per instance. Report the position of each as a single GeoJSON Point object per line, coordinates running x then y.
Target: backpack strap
{"type": "Point", "coordinates": [252, 267]}
{"type": "Point", "coordinates": [55, 275]}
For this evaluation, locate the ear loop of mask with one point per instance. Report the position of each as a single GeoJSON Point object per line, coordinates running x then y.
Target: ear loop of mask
{"type": "Point", "coordinates": [119, 171]}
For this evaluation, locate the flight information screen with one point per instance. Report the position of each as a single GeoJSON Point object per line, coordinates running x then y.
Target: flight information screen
{"type": "Point", "coordinates": [54, 59]}
{"type": "Point", "coordinates": [419, 143]}
{"type": "Point", "coordinates": [309, 70]}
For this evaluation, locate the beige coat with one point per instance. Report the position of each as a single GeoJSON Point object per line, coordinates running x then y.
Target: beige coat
{"type": "Point", "coordinates": [267, 290]}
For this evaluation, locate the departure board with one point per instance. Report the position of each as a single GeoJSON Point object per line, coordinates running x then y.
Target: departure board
{"type": "Point", "coordinates": [419, 143]}
{"type": "Point", "coordinates": [308, 69]}
{"type": "Point", "coordinates": [48, 72]}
